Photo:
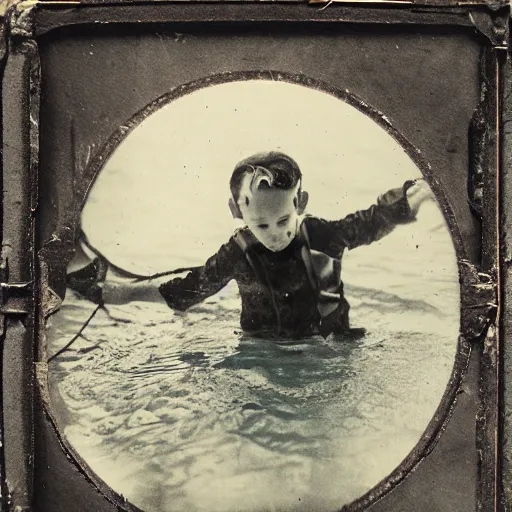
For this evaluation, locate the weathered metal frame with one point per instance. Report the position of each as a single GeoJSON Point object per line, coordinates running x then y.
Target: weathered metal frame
{"type": "Point", "coordinates": [27, 299]}
{"type": "Point", "coordinates": [505, 361]}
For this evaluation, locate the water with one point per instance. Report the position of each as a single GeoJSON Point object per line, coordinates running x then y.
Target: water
{"type": "Point", "coordinates": [182, 413]}
{"type": "Point", "coordinates": [179, 412]}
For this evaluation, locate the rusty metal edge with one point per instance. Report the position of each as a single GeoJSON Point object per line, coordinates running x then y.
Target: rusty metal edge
{"type": "Point", "coordinates": [3, 484]}
{"type": "Point", "coordinates": [48, 17]}
{"type": "Point", "coordinates": [466, 271]}
{"type": "Point", "coordinates": [505, 369]}
{"type": "Point", "coordinates": [22, 56]}
{"type": "Point", "coordinates": [455, 381]}
{"type": "Point", "coordinates": [490, 4]}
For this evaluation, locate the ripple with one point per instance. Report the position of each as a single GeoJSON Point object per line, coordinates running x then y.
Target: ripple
{"type": "Point", "coordinates": [196, 408]}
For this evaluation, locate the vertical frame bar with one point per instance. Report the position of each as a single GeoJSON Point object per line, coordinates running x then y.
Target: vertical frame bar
{"type": "Point", "coordinates": [488, 349]}
{"type": "Point", "coordinates": [505, 481]}
{"type": "Point", "coordinates": [19, 163]}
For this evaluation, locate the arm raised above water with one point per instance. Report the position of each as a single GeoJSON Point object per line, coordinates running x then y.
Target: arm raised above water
{"type": "Point", "coordinates": [203, 282]}
{"type": "Point", "coordinates": [103, 283]}
{"type": "Point", "coordinates": [395, 207]}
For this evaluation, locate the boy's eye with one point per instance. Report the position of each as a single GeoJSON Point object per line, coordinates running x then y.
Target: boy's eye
{"type": "Point", "coordinates": [263, 226]}
{"type": "Point", "coordinates": [282, 222]}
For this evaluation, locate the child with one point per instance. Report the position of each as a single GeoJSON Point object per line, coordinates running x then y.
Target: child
{"type": "Point", "coordinates": [287, 265]}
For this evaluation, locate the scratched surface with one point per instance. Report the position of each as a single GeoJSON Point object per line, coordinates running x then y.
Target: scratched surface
{"type": "Point", "coordinates": [228, 410]}
{"type": "Point", "coordinates": [414, 85]}
{"type": "Point", "coordinates": [507, 298]}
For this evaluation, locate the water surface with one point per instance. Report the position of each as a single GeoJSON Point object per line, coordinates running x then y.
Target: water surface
{"type": "Point", "coordinates": [183, 413]}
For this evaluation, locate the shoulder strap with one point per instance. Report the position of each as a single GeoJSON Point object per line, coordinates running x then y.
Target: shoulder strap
{"type": "Point", "coordinates": [305, 253]}
{"type": "Point", "coordinates": [240, 239]}
{"type": "Point", "coordinates": [242, 242]}
{"type": "Point", "coordinates": [304, 232]}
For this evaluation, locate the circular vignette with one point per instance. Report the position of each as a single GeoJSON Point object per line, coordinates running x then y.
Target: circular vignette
{"type": "Point", "coordinates": [443, 412]}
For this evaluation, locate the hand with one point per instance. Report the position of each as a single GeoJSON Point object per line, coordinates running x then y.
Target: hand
{"type": "Point", "coordinates": [122, 291]}
{"type": "Point", "coordinates": [418, 194]}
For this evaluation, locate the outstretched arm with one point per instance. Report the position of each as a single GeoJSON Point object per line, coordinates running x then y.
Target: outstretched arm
{"type": "Point", "coordinates": [100, 282]}
{"type": "Point", "coordinates": [397, 206]}
{"type": "Point", "coordinates": [203, 282]}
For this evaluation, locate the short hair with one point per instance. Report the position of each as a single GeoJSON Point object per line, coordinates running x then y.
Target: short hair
{"type": "Point", "coordinates": [284, 170]}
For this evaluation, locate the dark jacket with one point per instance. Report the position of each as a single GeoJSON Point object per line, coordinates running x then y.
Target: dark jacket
{"type": "Point", "coordinates": [277, 294]}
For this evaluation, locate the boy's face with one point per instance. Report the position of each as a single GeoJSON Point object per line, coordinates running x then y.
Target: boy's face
{"type": "Point", "coordinates": [272, 217]}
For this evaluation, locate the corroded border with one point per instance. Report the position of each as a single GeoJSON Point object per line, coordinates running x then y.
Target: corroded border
{"type": "Point", "coordinates": [467, 273]}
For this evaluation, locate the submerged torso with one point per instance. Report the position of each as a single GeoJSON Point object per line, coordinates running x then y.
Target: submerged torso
{"type": "Point", "coordinates": [281, 298]}
{"type": "Point", "coordinates": [277, 289]}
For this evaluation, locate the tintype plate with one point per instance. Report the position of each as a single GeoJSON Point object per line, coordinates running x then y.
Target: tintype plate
{"type": "Point", "coordinates": [252, 256]}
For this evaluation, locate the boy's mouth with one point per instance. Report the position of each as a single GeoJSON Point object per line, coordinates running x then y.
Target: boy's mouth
{"type": "Point", "coordinates": [279, 246]}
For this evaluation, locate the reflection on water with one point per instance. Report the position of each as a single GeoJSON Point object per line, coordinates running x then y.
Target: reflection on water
{"type": "Point", "coordinates": [181, 413]}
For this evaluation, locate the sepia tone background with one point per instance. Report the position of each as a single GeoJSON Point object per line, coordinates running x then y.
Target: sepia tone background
{"type": "Point", "coordinates": [402, 74]}
{"type": "Point", "coordinates": [447, 150]}
{"type": "Point", "coordinates": [218, 420]}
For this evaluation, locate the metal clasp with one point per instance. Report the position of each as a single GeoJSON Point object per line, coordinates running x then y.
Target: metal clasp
{"type": "Point", "coordinates": [15, 298]}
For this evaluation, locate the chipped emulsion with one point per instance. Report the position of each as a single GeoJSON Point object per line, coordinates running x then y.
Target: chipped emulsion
{"type": "Point", "coordinates": [479, 295]}
{"type": "Point", "coordinates": [476, 317]}
{"type": "Point", "coordinates": [476, 313]}
{"type": "Point", "coordinates": [479, 305]}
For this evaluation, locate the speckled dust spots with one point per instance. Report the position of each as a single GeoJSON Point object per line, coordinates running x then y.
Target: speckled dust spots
{"type": "Point", "coordinates": [195, 408]}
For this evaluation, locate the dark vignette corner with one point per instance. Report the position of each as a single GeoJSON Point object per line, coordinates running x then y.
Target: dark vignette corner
{"type": "Point", "coordinates": [476, 318]}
